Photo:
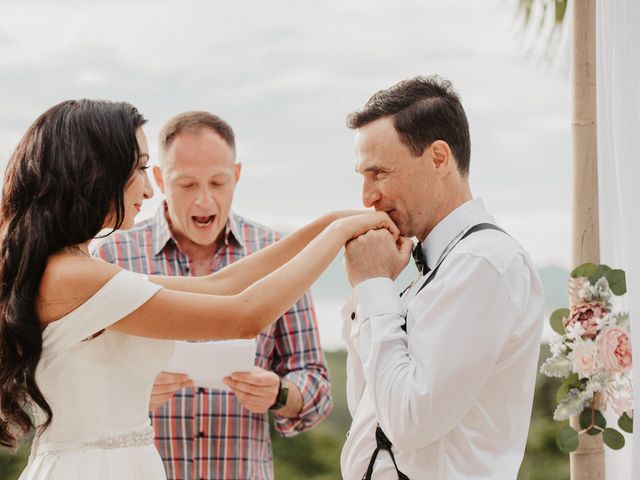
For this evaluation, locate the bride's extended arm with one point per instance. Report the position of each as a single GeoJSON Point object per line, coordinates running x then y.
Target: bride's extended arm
{"type": "Point", "coordinates": [183, 315]}
{"type": "Point", "coordinates": [234, 278]}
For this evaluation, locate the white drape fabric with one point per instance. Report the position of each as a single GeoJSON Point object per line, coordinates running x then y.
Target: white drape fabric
{"type": "Point", "coordinates": [618, 92]}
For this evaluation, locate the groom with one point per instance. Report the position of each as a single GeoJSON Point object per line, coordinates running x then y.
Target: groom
{"type": "Point", "coordinates": [440, 379]}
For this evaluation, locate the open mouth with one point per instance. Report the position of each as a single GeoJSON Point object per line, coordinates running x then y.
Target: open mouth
{"type": "Point", "coordinates": [203, 222]}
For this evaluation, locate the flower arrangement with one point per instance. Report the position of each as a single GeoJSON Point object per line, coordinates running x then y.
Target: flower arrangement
{"type": "Point", "coordinates": [592, 352]}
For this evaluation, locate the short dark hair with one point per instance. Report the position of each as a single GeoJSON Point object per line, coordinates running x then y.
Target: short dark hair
{"type": "Point", "coordinates": [194, 122]}
{"type": "Point", "coordinates": [424, 109]}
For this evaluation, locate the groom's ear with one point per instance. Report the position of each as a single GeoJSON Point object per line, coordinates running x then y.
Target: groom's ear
{"type": "Point", "coordinates": [441, 156]}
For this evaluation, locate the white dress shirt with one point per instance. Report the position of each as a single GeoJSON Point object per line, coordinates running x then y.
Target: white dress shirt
{"type": "Point", "coordinates": [454, 393]}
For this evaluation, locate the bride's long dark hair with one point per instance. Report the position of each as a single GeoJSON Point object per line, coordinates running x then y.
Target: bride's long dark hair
{"type": "Point", "coordinates": [67, 175]}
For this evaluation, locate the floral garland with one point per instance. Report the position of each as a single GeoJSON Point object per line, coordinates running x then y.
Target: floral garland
{"type": "Point", "coordinates": [592, 352]}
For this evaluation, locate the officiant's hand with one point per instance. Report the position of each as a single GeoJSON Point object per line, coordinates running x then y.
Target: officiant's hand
{"type": "Point", "coordinates": [256, 390]}
{"type": "Point", "coordinates": [165, 387]}
{"type": "Point", "coordinates": [376, 254]}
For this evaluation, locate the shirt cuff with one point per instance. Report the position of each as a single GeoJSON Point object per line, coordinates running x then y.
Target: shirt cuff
{"type": "Point", "coordinates": [316, 403]}
{"type": "Point", "coordinates": [376, 296]}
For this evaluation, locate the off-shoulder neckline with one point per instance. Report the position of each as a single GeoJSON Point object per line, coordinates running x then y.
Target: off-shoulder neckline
{"type": "Point", "coordinates": [87, 300]}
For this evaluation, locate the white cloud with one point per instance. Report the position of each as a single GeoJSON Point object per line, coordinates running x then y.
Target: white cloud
{"type": "Point", "coordinates": [286, 73]}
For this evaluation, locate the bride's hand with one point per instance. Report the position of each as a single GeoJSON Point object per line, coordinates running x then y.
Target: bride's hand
{"type": "Point", "coordinates": [358, 223]}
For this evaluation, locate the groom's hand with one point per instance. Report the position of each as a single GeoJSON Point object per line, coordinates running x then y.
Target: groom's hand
{"type": "Point", "coordinates": [165, 387]}
{"type": "Point", "coordinates": [376, 254]}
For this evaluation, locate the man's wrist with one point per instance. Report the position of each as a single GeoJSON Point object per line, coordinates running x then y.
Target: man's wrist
{"type": "Point", "coordinates": [281, 396]}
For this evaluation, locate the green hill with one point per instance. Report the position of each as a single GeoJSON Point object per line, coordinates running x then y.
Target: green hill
{"type": "Point", "coordinates": [333, 284]}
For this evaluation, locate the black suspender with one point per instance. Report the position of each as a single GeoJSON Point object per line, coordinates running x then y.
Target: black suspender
{"type": "Point", "coordinates": [432, 274]}
{"type": "Point", "coordinates": [474, 229]}
{"type": "Point", "coordinates": [382, 441]}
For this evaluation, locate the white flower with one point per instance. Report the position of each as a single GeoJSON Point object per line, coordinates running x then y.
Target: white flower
{"type": "Point", "coordinates": [584, 358]}
{"type": "Point", "coordinates": [622, 320]}
{"type": "Point", "coordinates": [586, 293]}
{"type": "Point", "coordinates": [606, 321]}
{"type": "Point", "coordinates": [572, 405]}
{"type": "Point", "coordinates": [619, 394]}
{"type": "Point", "coordinates": [596, 383]}
{"type": "Point", "coordinates": [574, 331]}
{"type": "Point", "coordinates": [602, 290]}
{"type": "Point", "coordinates": [557, 345]}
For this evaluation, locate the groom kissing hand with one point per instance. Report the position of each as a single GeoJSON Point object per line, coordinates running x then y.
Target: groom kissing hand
{"type": "Point", "coordinates": [376, 254]}
{"type": "Point", "coordinates": [440, 378]}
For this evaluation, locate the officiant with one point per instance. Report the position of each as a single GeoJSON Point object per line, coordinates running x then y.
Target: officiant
{"type": "Point", "coordinates": [206, 433]}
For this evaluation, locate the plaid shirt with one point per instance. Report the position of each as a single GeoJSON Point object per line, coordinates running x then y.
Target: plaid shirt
{"type": "Point", "coordinates": [207, 434]}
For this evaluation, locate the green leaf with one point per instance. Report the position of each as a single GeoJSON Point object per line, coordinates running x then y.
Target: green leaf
{"type": "Point", "coordinates": [562, 392]}
{"type": "Point", "coordinates": [613, 438]}
{"type": "Point", "coordinates": [599, 421]}
{"type": "Point", "coordinates": [625, 422]}
{"type": "Point", "coordinates": [556, 320]}
{"type": "Point", "coordinates": [585, 418]}
{"type": "Point", "coordinates": [585, 270]}
{"type": "Point", "coordinates": [567, 439]}
{"type": "Point", "coordinates": [573, 381]}
{"type": "Point", "coordinates": [617, 282]}
{"type": "Point", "coordinates": [602, 271]}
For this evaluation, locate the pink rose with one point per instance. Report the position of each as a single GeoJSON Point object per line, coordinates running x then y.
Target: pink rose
{"type": "Point", "coordinates": [586, 315]}
{"type": "Point", "coordinates": [615, 349]}
{"type": "Point", "coordinates": [584, 357]}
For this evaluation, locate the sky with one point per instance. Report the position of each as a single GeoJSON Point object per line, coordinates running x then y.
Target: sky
{"type": "Point", "coordinates": [285, 74]}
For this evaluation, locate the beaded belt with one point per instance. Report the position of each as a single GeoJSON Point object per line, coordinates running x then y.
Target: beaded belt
{"type": "Point", "coordinates": [134, 438]}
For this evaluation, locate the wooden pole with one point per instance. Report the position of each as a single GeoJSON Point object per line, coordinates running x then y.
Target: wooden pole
{"type": "Point", "coordinates": [587, 462]}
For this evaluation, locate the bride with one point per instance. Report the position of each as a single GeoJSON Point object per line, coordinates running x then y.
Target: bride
{"type": "Point", "coordinates": [81, 340]}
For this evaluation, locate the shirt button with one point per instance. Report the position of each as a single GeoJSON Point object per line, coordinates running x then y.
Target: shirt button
{"type": "Point", "coordinates": [353, 315]}
{"type": "Point", "coordinates": [201, 434]}
{"type": "Point", "coordinates": [201, 390]}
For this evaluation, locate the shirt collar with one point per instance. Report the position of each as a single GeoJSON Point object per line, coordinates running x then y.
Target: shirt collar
{"type": "Point", "coordinates": [233, 231]}
{"type": "Point", "coordinates": [452, 227]}
{"type": "Point", "coordinates": [162, 232]}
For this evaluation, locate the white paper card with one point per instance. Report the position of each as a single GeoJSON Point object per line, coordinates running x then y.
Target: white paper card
{"type": "Point", "coordinates": [207, 363]}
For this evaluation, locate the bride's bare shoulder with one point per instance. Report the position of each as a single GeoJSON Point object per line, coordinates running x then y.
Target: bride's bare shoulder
{"type": "Point", "coordinates": [68, 281]}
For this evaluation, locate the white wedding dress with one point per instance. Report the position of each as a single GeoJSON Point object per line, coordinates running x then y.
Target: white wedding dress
{"type": "Point", "coordinates": [98, 390]}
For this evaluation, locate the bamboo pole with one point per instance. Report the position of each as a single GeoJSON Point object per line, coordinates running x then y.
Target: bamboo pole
{"type": "Point", "coordinates": [587, 462]}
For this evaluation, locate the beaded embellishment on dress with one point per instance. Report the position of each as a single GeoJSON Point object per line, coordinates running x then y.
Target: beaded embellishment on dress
{"type": "Point", "coordinates": [135, 438]}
